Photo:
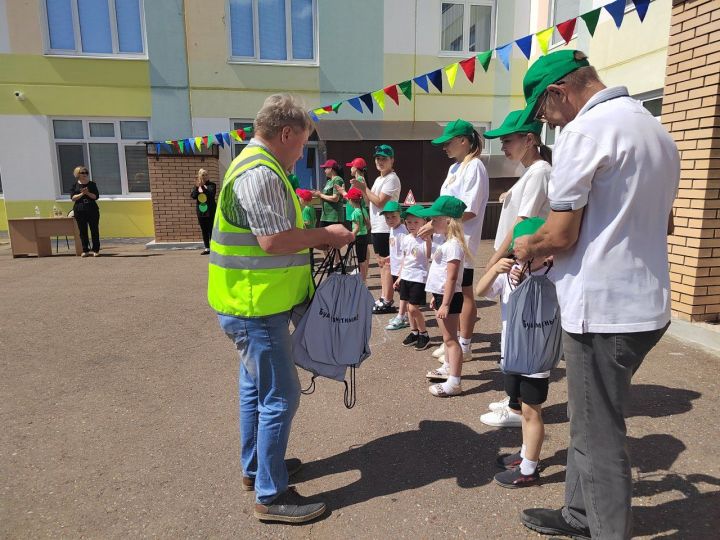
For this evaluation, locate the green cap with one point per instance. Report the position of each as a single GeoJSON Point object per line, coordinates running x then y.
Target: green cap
{"type": "Point", "coordinates": [415, 210]}
{"type": "Point", "coordinates": [294, 181]}
{"type": "Point", "coordinates": [545, 71]}
{"type": "Point", "coordinates": [511, 125]}
{"type": "Point", "coordinates": [384, 150]}
{"type": "Point", "coordinates": [391, 206]}
{"type": "Point", "coordinates": [454, 129]}
{"type": "Point", "coordinates": [445, 205]}
{"type": "Point", "coordinates": [526, 227]}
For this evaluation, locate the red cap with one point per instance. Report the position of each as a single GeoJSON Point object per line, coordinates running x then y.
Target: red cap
{"type": "Point", "coordinates": [358, 163]}
{"type": "Point", "coordinates": [304, 194]}
{"type": "Point", "coordinates": [354, 194]}
{"type": "Point", "coordinates": [331, 163]}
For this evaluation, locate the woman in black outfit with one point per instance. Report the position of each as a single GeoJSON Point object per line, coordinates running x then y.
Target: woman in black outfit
{"type": "Point", "coordinates": [204, 195]}
{"type": "Point", "coordinates": [86, 211]}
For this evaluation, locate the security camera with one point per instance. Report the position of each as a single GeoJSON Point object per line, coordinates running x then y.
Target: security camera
{"type": "Point", "coordinates": [19, 95]}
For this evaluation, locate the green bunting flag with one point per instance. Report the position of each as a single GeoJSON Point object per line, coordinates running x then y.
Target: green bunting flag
{"type": "Point", "coordinates": [591, 20]}
{"type": "Point", "coordinates": [406, 89]}
{"type": "Point", "coordinates": [336, 106]}
{"type": "Point", "coordinates": [484, 59]}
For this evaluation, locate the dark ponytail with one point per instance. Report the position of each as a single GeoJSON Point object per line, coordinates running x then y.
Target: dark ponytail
{"type": "Point", "coordinates": [546, 153]}
{"type": "Point", "coordinates": [476, 144]}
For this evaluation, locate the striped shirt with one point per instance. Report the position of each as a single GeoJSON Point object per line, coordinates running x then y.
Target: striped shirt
{"type": "Point", "coordinates": [261, 201]}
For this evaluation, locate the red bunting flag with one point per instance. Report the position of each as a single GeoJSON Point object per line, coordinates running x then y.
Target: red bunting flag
{"type": "Point", "coordinates": [241, 134]}
{"type": "Point", "coordinates": [328, 108]}
{"type": "Point", "coordinates": [468, 66]}
{"type": "Point", "coordinates": [567, 29]}
{"type": "Point", "coordinates": [392, 92]}
{"type": "Point", "coordinates": [205, 140]}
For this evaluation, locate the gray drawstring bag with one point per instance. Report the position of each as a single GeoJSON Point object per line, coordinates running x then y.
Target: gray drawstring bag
{"type": "Point", "coordinates": [334, 332]}
{"type": "Point", "coordinates": [533, 332]}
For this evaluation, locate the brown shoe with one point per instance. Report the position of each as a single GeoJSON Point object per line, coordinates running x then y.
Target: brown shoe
{"type": "Point", "coordinates": [293, 466]}
{"type": "Point", "coordinates": [290, 507]}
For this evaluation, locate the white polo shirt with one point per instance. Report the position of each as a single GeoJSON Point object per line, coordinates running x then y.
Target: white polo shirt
{"type": "Point", "coordinates": [469, 183]}
{"type": "Point", "coordinates": [620, 164]}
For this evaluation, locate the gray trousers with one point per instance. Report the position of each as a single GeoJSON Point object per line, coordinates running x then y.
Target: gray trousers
{"type": "Point", "coordinates": [598, 482]}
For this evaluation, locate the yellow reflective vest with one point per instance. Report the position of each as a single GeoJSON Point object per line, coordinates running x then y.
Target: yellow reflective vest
{"type": "Point", "coordinates": [244, 280]}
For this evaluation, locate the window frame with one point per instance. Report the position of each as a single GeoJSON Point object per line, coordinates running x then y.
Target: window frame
{"type": "Point", "coordinates": [290, 61]}
{"type": "Point", "coordinates": [78, 52]}
{"type": "Point", "coordinates": [467, 4]}
{"type": "Point", "coordinates": [561, 42]}
{"type": "Point", "coordinates": [651, 95]}
{"type": "Point", "coordinates": [87, 139]}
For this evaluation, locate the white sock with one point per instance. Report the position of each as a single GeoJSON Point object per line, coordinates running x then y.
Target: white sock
{"type": "Point", "coordinates": [464, 344]}
{"type": "Point", "coordinates": [454, 381]}
{"type": "Point", "coordinates": [528, 467]}
{"type": "Point", "coordinates": [405, 317]}
{"type": "Point", "coordinates": [414, 332]}
{"type": "Point", "coordinates": [522, 451]}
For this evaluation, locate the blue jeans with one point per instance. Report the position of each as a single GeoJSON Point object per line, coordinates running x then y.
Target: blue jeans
{"type": "Point", "coordinates": [269, 397]}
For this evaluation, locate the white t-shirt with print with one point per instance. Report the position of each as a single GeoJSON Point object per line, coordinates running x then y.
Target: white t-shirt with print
{"type": "Point", "coordinates": [415, 262]}
{"type": "Point", "coordinates": [395, 241]}
{"type": "Point", "coordinates": [389, 185]}
{"type": "Point", "coordinates": [620, 164]}
{"type": "Point", "coordinates": [469, 183]}
{"type": "Point", "coordinates": [527, 198]}
{"type": "Point", "coordinates": [502, 288]}
{"type": "Point", "coordinates": [451, 250]}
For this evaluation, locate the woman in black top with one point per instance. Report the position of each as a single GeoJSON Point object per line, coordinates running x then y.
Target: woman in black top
{"type": "Point", "coordinates": [204, 195]}
{"type": "Point", "coordinates": [86, 211]}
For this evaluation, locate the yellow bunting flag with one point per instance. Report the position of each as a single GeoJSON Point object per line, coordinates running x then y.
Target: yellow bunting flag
{"type": "Point", "coordinates": [235, 135]}
{"type": "Point", "coordinates": [319, 111]}
{"type": "Point", "coordinates": [451, 73]}
{"type": "Point", "coordinates": [544, 37]}
{"type": "Point", "coordinates": [379, 96]}
{"type": "Point", "coordinates": [198, 143]}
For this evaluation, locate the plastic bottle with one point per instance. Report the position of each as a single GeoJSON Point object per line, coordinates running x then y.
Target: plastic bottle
{"type": "Point", "coordinates": [37, 211]}
{"type": "Point", "coordinates": [56, 211]}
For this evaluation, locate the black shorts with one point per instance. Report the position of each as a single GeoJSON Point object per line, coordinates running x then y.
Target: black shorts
{"type": "Point", "coordinates": [468, 275]}
{"type": "Point", "coordinates": [361, 245]}
{"type": "Point", "coordinates": [381, 244]}
{"type": "Point", "coordinates": [394, 278]}
{"type": "Point", "coordinates": [456, 303]}
{"type": "Point", "coordinates": [528, 390]}
{"type": "Point", "coordinates": [326, 223]}
{"type": "Point", "coordinates": [413, 292]}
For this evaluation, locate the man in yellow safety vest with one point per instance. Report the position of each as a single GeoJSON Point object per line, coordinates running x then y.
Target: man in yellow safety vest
{"type": "Point", "coordinates": [259, 270]}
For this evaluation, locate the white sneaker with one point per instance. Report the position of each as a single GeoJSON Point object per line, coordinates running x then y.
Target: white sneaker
{"type": "Point", "coordinates": [437, 353]}
{"type": "Point", "coordinates": [502, 418]}
{"type": "Point", "coordinates": [499, 405]}
{"type": "Point", "coordinates": [466, 357]}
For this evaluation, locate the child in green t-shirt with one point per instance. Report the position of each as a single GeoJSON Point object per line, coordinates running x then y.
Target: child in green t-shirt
{"type": "Point", "coordinates": [308, 212]}
{"type": "Point", "coordinates": [359, 220]}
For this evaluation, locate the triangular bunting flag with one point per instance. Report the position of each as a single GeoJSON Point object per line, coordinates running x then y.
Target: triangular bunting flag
{"type": "Point", "coordinates": [436, 79]}
{"type": "Point", "coordinates": [248, 129]}
{"type": "Point", "coordinates": [367, 100]}
{"type": "Point", "coordinates": [591, 19]}
{"type": "Point", "coordinates": [189, 145]}
{"type": "Point", "coordinates": [314, 117]}
{"type": "Point", "coordinates": [207, 141]}
{"type": "Point", "coordinates": [219, 139]}
{"type": "Point", "coordinates": [451, 73]}
{"type": "Point", "coordinates": [175, 145]}
{"type": "Point", "coordinates": [484, 59]}
{"type": "Point", "coordinates": [393, 93]}
{"type": "Point", "coordinates": [641, 6]}
{"type": "Point", "coordinates": [617, 11]}
{"type": "Point", "coordinates": [226, 136]}
{"type": "Point", "coordinates": [355, 103]}
{"type": "Point", "coordinates": [328, 108]}
{"type": "Point", "coordinates": [503, 54]}
{"type": "Point", "coordinates": [198, 143]}
{"type": "Point", "coordinates": [168, 147]}
{"type": "Point", "coordinates": [543, 38]}
{"type": "Point", "coordinates": [336, 106]}
{"type": "Point", "coordinates": [181, 144]}
{"type": "Point", "coordinates": [468, 66]}
{"type": "Point", "coordinates": [320, 111]}
{"type": "Point", "coordinates": [422, 82]}
{"type": "Point", "coordinates": [525, 45]}
{"type": "Point", "coordinates": [379, 96]}
{"type": "Point", "coordinates": [406, 89]}
{"type": "Point", "coordinates": [410, 199]}
{"type": "Point", "coordinates": [157, 149]}
{"type": "Point", "coordinates": [234, 135]}
{"type": "Point", "coordinates": [566, 29]}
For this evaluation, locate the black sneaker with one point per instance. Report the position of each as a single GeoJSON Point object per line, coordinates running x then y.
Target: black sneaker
{"type": "Point", "coordinates": [509, 461]}
{"type": "Point", "coordinates": [410, 339]}
{"type": "Point", "coordinates": [513, 478]}
{"type": "Point", "coordinates": [422, 343]}
{"type": "Point", "coordinates": [384, 308]}
{"type": "Point", "coordinates": [293, 465]}
{"type": "Point", "coordinates": [290, 507]}
{"type": "Point", "coordinates": [551, 522]}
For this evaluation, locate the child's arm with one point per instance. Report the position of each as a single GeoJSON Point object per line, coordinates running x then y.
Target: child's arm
{"type": "Point", "coordinates": [428, 247]}
{"type": "Point", "coordinates": [453, 269]}
{"type": "Point", "coordinates": [355, 227]}
{"type": "Point", "coordinates": [396, 285]}
{"type": "Point", "coordinates": [503, 266]}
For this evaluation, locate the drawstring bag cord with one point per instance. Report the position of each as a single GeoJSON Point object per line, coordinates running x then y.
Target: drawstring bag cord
{"type": "Point", "coordinates": [350, 396]}
{"type": "Point", "coordinates": [311, 387]}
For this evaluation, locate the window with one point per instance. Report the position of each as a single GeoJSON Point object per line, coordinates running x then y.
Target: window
{"type": "Point", "coordinates": [273, 31]}
{"type": "Point", "coordinates": [467, 26]}
{"type": "Point", "coordinates": [562, 10]}
{"type": "Point", "coordinates": [549, 136]}
{"type": "Point", "coordinates": [110, 150]}
{"type": "Point", "coordinates": [95, 27]}
{"type": "Point", "coordinates": [652, 101]}
{"type": "Point", "coordinates": [307, 168]}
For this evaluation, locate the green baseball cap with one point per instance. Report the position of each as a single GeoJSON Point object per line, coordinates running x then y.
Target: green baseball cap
{"type": "Point", "coordinates": [294, 181]}
{"type": "Point", "coordinates": [545, 71]}
{"type": "Point", "coordinates": [511, 125]}
{"type": "Point", "coordinates": [384, 150]}
{"type": "Point", "coordinates": [414, 210]}
{"type": "Point", "coordinates": [454, 129]}
{"type": "Point", "coordinates": [391, 206]}
{"type": "Point", "coordinates": [445, 205]}
{"type": "Point", "coordinates": [526, 227]}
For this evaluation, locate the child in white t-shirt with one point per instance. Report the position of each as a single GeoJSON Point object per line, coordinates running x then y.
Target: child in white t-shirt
{"type": "Point", "coordinates": [393, 219]}
{"type": "Point", "coordinates": [444, 281]}
{"type": "Point", "coordinates": [528, 392]}
{"type": "Point", "coordinates": [415, 260]}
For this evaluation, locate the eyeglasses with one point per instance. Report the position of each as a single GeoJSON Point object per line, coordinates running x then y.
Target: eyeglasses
{"type": "Point", "coordinates": [542, 104]}
{"type": "Point", "coordinates": [83, 172]}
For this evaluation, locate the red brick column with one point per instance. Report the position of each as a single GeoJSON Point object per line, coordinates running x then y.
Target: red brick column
{"type": "Point", "coordinates": [172, 178]}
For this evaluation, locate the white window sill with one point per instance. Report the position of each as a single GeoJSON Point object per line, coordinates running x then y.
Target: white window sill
{"type": "Point", "coordinates": [285, 63]}
{"type": "Point", "coordinates": [463, 55]}
{"type": "Point", "coordinates": [97, 56]}
{"type": "Point", "coordinates": [140, 197]}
